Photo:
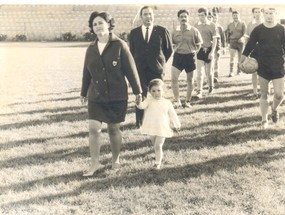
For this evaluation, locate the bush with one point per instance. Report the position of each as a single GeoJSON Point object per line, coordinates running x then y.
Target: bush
{"type": "Point", "coordinates": [3, 37]}
{"type": "Point", "coordinates": [89, 36]}
{"type": "Point", "coordinates": [21, 37]}
{"type": "Point", "coordinates": [68, 36]}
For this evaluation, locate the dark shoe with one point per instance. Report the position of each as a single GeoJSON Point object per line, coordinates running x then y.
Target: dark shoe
{"type": "Point", "coordinates": [275, 116]}
{"type": "Point", "coordinates": [216, 80]}
{"type": "Point", "coordinates": [231, 75]}
{"type": "Point", "coordinates": [187, 104]}
{"type": "Point", "coordinates": [255, 96]}
{"type": "Point", "coordinates": [211, 90]}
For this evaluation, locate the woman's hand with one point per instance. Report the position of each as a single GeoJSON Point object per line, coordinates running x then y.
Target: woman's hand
{"type": "Point", "coordinates": [138, 99]}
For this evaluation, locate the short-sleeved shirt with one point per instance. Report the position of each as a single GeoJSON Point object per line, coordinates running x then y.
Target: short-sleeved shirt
{"type": "Point", "coordinates": [235, 32]}
{"type": "Point", "coordinates": [250, 26]}
{"type": "Point", "coordinates": [208, 32]}
{"type": "Point", "coordinates": [186, 41]}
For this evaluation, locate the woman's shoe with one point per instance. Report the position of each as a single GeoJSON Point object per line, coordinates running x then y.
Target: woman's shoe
{"type": "Point", "coordinates": [91, 171]}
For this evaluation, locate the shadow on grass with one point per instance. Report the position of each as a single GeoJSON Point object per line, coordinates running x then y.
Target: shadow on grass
{"type": "Point", "coordinates": [20, 143]}
{"type": "Point", "coordinates": [55, 118]}
{"type": "Point", "coordinates": [47, 100]}
{"type": "Point", "coordinates": [181, 173]}
{"type": "Point", "coordinates": [226, 108]}
{"type": "Point", "coordinates": [70, 153]}
{"type": "Point", "coordinates": [48, 110]}
{"type": "Point", "coordinates": [220, 138]}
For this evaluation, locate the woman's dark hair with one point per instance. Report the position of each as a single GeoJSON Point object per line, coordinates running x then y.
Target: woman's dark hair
{"type": "Point", "coordinates": [104, 15]}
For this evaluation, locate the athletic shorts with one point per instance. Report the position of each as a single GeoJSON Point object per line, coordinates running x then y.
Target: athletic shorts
{"type": "Point", "coordinates": [203, 54]}
{"type": "Point", "coordinates": [184, 62]}
{"type": "Point", "coordinates": [234, 44]}
{"type": "Point", "coordinates": [271, 68]}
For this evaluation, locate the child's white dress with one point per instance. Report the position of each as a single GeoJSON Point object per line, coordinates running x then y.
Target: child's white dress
{"type": "Point", "coordinates": [159, 117]}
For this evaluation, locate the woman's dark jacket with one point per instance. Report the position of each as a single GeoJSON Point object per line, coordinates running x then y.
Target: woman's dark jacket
{"type": "Point", "coordinates": [104, 75]}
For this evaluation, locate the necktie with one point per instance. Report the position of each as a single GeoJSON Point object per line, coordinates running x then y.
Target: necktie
{"type": "Point", "coordinates": [146, 36]}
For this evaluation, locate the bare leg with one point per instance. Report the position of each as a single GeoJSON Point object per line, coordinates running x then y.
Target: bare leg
{"type": "Point", "coordinates": [264, 103]}
{"type": "Point", "coordinates": [200, 75]}
{"type": "Point", "coordinates": [94, 146]}
{"type": "Point", "coordinates": [254, 83]}
{"type": "Point", "coordinates": [278, 86]}
{"type": "Point", "coordinates": [210, 75]}
{"type": "Point", "coordinates": [232, 56]}
{"type": "Point", "coordinates": [190, 86]}
{"type": "Point", "coordinates": [175, 86]}
{"type": "Point", "coordinates": [116, 142]}
{"type": "Point", "coordinates": [158, 143]}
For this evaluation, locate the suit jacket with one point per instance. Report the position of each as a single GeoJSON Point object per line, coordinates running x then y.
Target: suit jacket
{"type": "Point", "coordinates": [153, 54]}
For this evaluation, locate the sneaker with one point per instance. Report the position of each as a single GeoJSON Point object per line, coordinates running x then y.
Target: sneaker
{"type": "Point", "coordinates": [264, 124]}
{"type": "Point", "coordinates": [274, 116]}
{"type": "Point", "coordinates": [177, 104]}
{"type": "Point", "coordinates": [187, 105]}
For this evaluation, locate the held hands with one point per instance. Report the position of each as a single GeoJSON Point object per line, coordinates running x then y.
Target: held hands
{"type": "Point", "coordinates": [83, 100]}
{"type": "Point", "coordinates": [138, 99]}
{"type": "Point", "coordinates": [176, 130]}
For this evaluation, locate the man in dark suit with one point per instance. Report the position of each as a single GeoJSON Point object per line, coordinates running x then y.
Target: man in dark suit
{"type": "Point", "coordinates": [151, 47]}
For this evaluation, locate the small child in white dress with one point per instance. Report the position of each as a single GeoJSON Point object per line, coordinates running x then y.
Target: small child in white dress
{"type": "Point", "coordinates": [159, 117]}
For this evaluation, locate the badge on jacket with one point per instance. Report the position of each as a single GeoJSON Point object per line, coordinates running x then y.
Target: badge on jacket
{"type": "Point", "coordinates": [115, 63]}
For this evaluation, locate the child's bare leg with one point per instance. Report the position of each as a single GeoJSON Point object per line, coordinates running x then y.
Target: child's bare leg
{"type": "Point", "coordinates": [158, 143]}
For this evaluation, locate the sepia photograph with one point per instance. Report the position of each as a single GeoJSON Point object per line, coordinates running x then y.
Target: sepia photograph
{"type": "Point", "coordinates": [142, 108]}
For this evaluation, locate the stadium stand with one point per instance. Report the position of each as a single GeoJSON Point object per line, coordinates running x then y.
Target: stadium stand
{"type": "Point", "coordinates": [49, 22]}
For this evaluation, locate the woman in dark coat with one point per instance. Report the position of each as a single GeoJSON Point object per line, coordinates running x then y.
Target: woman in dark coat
{"type": "Point", "coordinates": [108, 62]}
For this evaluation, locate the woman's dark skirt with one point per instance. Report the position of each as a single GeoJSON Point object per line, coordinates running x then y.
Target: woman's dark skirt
{"type": "Point", "coordinates": [109, 112]}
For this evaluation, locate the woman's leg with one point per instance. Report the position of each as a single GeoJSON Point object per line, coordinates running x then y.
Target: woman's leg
{"type": "Point", "coordinates": [94, 146]}
{"type": "Point", "coordinates": [116, 142]}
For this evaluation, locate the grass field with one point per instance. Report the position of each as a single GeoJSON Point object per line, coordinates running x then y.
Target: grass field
{"type": "Point", "coordinates": [221, 162]}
